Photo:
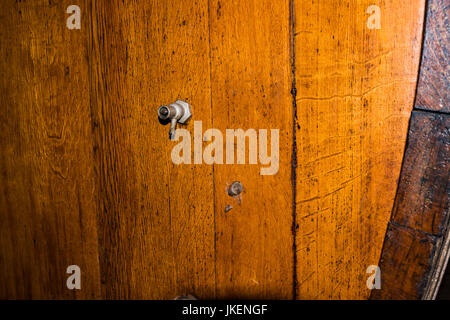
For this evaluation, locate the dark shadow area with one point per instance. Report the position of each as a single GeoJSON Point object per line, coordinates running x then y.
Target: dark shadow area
{"type": "Point", "coordinates": [444, 289]}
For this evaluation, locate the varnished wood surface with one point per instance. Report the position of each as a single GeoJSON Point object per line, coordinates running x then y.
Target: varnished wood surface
{"type": "Point", "coordinates": [156, 219]}
{"type": "Point", "coordinates": [355, 90]}
{"type": "Point", "coordinates": [251, 83]}
{"type": "Point", "coordinates": [416, 249]}
{"type": "Point", "coordinates": [47, 193]}
{"type": "Point", "coordinates": [86, 173]}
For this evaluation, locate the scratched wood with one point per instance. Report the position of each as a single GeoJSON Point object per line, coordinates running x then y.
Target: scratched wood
{"type": "Point", "coordinates": [86, 173]}
{"type": "Point", "coordinates": [407, 254]}
{"type": "Point", "coordinates": [421, 204]}
{"type": "Point", "coordinates": [251, 83]}
{"type": "Point", "coordinates": [417, 246]}
{"type": "Point", "coordinates": [355, 90]}
{"type": "Point", "coordinates": [47, 195]}
{"type": "Point", "coordinates": [156, 227]}
{"type": "Point", "coordinates": [432, 90]}
{"type": "Point", "coordinates": [422, 197]}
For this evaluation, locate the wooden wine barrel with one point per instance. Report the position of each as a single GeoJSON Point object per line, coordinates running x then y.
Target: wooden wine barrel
{"type": "Point", "coordinates": [86, 173]}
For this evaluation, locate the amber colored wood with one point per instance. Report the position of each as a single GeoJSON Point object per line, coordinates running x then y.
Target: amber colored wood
{"type": "Point", "coordinates": [420, 211]}
{"type": "Point", "coordinates": [421, 204]}
{"type": "Point", "coordinates": [432, 91]}
{"type": "Point", "coordinates": [85, 166]}
{"type": "Point", "coordinates": [47, 195]}
{"type": "Point", "coordinates": [251, 83]}
{"type": "Point", "coordinates": [156, 219]}
{"type": "Point", "coordinates": [355, 90]}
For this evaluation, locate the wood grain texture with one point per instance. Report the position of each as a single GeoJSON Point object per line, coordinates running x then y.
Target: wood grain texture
{"type": "Point", "coordinates": [432, 90]}
{"type": "Point", "coordinates": [355, 91]}
{"type": "Point", "coordinates": [251, 83]}
{"type": "Point", "coordinates": [421, 204]}
{"type": "Point", "coordinates": [407, 255]}
{"type": "Point", "coordinates": [86, 175]}
{"type": "Point", "coordinates": [412, 251]}
{"type": "Point", "coordinates": [47, 194]}
{"type": "Point", "coordinates": [422, 196]}
{"type": "Point", "coordinates": [156, 219]}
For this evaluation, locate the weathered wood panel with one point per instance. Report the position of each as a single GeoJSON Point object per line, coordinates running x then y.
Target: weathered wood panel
{"type": "Point", "coordinates": [156, 224]}
{"type": "Point", "coordinates": [422, 197]}
{"type": "Point", "coordinates": [251, 83]}
{"type": "Point", "coordinates": [421, 205]}
{"type": "Point", "coordinates": [420, 215]}
{"type": "Point", "coordinates": [407, 255]}
{"type": "Point", "coordinates": [433, 86]}
{"type": "Point", "coordinates": [355, 89]}
{"type": "Point", "coordinates": [47, 194]}
{"type": "Point", "coordinates": [82, 148]}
